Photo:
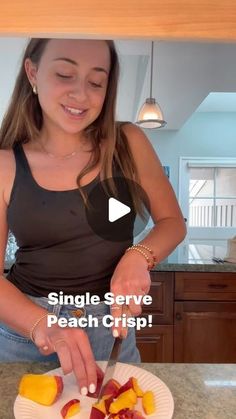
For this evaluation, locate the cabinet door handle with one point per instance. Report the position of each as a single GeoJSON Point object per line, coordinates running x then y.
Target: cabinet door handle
{"type": "Point", "coordinates": [178, 316]}
{"type": "Point", "coordinates": [217, 286]}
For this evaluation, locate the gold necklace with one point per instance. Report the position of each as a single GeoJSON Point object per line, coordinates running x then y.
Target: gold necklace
{"type": "Point", "coordinates": [53, 156]}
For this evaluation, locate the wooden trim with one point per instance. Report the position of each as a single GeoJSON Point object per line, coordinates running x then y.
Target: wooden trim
{"type": "Point", "coordinates": [116, 19]}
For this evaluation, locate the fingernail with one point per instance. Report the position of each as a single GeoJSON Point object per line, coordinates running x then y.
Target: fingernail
{"type": "Point", "coordinates": [92, 388]}
{"type": "Point", "coordinates": [84, 391]}
{"type": "Point", "coordinates": [115, 333]}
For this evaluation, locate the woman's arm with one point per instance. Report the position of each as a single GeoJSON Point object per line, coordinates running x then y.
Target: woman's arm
{"type": "Point", "coordinates": [131, 275]}
{"type": "Point", "coordinates": [21, 314]}
{"type": "Point", "coordinates": [16, 309]}
{"type": "Point", "coordinates": [169, 229]}
{"type": "Point", "coordinates": [74, 351]}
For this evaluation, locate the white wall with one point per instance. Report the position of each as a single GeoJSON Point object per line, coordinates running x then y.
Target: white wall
{"type": "Point", "coordinates": [11, 50]}
{"type": "Point", "coordinates": [205, 134]}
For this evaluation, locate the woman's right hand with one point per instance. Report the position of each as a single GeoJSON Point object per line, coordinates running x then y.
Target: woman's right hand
{"type": "Point", "coordinates": [74, 352]}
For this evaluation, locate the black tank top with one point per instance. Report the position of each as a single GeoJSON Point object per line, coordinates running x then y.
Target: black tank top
{"type": "Point", "coordinates": [58, 251]}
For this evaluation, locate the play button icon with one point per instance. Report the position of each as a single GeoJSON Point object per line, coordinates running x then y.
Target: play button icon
{"type": "Point", "coordinates": [116, 210]}
{"type": "Point", "coordinates": [112, 214]}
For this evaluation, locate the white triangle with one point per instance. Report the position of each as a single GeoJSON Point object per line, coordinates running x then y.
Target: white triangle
{"type": "Point", "coordinates": [116, 210]}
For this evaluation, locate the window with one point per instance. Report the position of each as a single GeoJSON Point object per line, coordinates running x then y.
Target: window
{"type": "Point", "coordinates": [207, 192]}
{"type": "Point", "coordinates": [212, 197]}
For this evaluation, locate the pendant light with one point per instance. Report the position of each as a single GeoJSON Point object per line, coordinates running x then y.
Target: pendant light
{"type": "Point", "coordinates": [150, 114]}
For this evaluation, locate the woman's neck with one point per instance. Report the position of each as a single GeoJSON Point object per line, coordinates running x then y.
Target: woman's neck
{"type": "Point", "coordinates": [62, 143]}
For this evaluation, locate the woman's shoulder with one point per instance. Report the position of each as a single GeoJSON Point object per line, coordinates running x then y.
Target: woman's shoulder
{"type": "Point", "coordinates": [6, 158]}
{"type": "Point", "coordinates": [7, 173]}
{"type": "Point", "coordinates": [7, 166]}
{"type": "Point", "coordinates": [136, 138]}
{"type": "Point", "coordinates": [131, 130]}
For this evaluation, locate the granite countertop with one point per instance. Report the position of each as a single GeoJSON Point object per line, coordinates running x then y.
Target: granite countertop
{"type": "Point", "coordinates": [195, 267]}
{"type": "Point", "coordinates": [200, 391]}
{"type": "Point", "coordinates": [180, 267]}
{"type": "Point", "coordinates": [180, 261]}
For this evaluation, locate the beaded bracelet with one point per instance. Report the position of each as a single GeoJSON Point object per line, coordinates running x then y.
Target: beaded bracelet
{"type": "Point", "coordinates": [31, 333]}
{"type": "Point", "coordinates": [150, 264]}
{"type": "Point", "coordinates": [149, 250]}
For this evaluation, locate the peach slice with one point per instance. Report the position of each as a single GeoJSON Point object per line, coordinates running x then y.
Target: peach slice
{"type": "Point", "coordinates": [107, 401]}
{"type": "Point", "coordinates": [42, 389]}
{"type": "Point", "coordinates": [127, 386]}
{"type": "Point", "coordinates": [101, 406]}
{"type": "Point", "coordinates": [131, 383]}
{"type": "Point", "coordinates": [127, 414]}
{"type": "Point", "coordinates": [96, 414]}
{"type": "Point", "coordinates": [71, 408]}
{"type": "Point", "coordinates": [136, 387]}
{"type": "Point", "coordinates": [148, 402]}
{"type": "Point", "coordinates": [111, 388]}
{"type": "Point", "coordinates": [126, 400]}
{"type": "Point", "coordinates": [136, 415]}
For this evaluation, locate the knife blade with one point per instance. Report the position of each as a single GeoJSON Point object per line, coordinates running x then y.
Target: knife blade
{"type": "Point", "coordinates": [111, 364]}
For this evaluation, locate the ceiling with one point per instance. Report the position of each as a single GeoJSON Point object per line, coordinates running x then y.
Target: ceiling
{"type": "Point", "coordinates": [188, 77]}
{"type": "Point", "coordinates": [218, 102]}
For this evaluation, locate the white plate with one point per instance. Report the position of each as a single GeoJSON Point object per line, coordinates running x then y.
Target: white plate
{"type": "Point", "coordinates": [26, 409]}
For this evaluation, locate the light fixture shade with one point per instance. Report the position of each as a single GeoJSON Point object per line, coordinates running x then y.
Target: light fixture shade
{"type": "Point", "coordinates": [150, 115]}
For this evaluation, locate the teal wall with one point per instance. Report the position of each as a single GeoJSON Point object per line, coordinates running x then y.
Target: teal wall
{"type": "Point", "coordinates": [205, 134]}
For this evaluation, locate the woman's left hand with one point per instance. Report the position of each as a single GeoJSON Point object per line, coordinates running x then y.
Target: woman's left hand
{"type": "Point", "coordinates": [130, 278]}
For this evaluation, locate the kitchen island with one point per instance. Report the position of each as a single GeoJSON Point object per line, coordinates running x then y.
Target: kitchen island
{"type": "Point", "coordinates": [200, 391]}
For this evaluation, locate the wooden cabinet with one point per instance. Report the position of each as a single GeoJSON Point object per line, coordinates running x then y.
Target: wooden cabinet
{"type": "Point", "coordinates": [156, 343]}
{"type": "Point", "coordinates": [207, 286]}
{"type": "Point", "coordinates": [205, 317]}
{"type": "Point", "coordinates": [194, 318]}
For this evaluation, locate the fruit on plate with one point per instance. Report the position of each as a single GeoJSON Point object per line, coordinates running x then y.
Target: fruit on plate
{"type": "Point", "coordinates": [127, 414]}
{"type": "Point", "coordinates": [101, 406]}
{"type": "Point", "coordinates": [118, 402]}
{"type": "Point", "coordinates": [136, 387]}
{"type": "Point", "coordinates": [148, 403]}
{"type": "Point", "coordinates": [70, 409]}
{"type": "Point", "coordinates": [111, 388]}
{"type": "Point", "coordinates": [107, 401]}
{"type": "Point", "coordinates": [125, 400]}
{"type": "Point", "coordinates": [96, 413]}
{"type": "Point", "coordinates": [131, 383]}
{"type": "Point", "coordinates": [42, 389]}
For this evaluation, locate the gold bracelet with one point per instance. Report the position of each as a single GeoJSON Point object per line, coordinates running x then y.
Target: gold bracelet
{"type": "Point", "coordinates": [142, 253]}
{"type": "Point", "coordinates": [149, 250]}
{"type": "Point", "coordinates": [31, 333]}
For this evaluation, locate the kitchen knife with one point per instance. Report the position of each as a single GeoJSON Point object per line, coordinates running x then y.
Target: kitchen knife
{"type": "Point", "coordinates": [110, 368]}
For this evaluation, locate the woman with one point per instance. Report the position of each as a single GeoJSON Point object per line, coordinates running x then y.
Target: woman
{"type": "Point", "coordinates": [57, 138]}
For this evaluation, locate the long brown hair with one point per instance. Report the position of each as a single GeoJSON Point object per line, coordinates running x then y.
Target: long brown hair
{"type": "Point", "coordinates": [23, 121]}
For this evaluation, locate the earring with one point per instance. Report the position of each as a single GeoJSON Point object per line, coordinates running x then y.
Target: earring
{"type": "Point", "coordinates": [35, 89]}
